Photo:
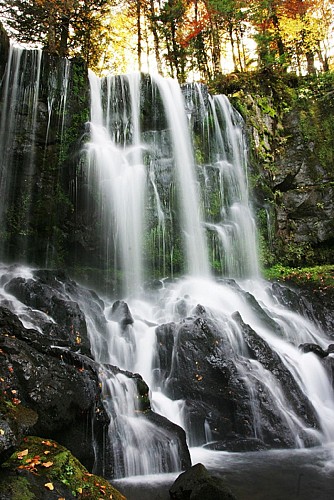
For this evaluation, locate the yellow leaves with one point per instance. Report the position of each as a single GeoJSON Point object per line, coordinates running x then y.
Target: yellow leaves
{"type": "Point", "coordinates": [49, 486]}
{"type": "Point", "coordinates": [47, 464]}
{"type": "Point", "coordinates": [2, 432]}
{"type": "Point", "coordinates": [22, 454]}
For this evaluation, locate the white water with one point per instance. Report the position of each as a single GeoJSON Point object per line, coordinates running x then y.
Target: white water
{"type": "Point", "coordinates": [196, 248]}
{"type": "Point", "coordinates": [134, 348]}
{"type": "Point", "coordinates": [121, 177]}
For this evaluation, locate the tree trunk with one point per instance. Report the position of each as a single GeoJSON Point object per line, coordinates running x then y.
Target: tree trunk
{"type": "Point", "coordinates": [139, 37]}
{"type": "Point", "coordinates": [65, 27]}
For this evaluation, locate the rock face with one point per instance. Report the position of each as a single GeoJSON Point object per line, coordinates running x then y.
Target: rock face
{"type": "Point", "coordinates": [43, 469]}
{"type": "Point", "coordinates": [290, 128]}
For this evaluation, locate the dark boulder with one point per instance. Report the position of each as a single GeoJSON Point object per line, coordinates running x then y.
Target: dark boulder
{"type": "Point", "coordinates": [315, 348]}
{"type": "Point", "coordinates": [311, 300]}
{"type": "Point", "coordinates": [120, 313]}
{"type": "Point", "coordinates": [196, 362]}
{"type": "Point", "coordinates": [42, 469]}
{"type": "Point", "coordinates": [59, 302]}
{"type": "Point", "coordinates": [197, 484]}
{"type": "Point", "coordinates": [237, 444]}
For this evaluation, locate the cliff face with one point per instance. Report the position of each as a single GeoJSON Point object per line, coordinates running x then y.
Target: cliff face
{"type": "Point", "coordinates": [291, 131]}
{"type": "Point", "coordinates": [43, 110]}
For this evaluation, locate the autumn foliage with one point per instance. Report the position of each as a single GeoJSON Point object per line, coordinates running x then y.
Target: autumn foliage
{"type": "Point", "coordinates": [205, 37]}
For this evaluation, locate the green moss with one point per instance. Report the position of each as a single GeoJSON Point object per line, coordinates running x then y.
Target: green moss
{"type": "Point", "coordinates": [52, 464]}
{"type": "Point", "coordinates": [320, 275]}
{"type": "Point", "coordinates": [16, 488]}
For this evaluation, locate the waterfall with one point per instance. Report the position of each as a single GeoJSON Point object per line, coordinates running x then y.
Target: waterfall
{"type": "Point", "coordinates": [115, 156]}
{"type": "Point", "coordinates": [166, 171]}
{"type": "Point", "coordinates": [191, 160]}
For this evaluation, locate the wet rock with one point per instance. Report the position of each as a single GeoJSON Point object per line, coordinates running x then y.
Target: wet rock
{"type": "Point", "coordinates": [315, 348]}
{"type": "Point", "coordinates": [57, 298]}
{"type": "Point", "coordinates": [196, 363]}
{"type": "Point", "coordinates": [57, 474]}
{"type": "Point", "coordinates": [197, 484]}
{"type": "Point", "coordinates": [237, 444]}
{"type": "Point", "coordinates": [61, 390]}
{"type": "Point", "coordinates": [270, 360]}
{"type": "Point", "coordinates": [120, 313]}
{"type": "Point", "coordinates": [311, 300]}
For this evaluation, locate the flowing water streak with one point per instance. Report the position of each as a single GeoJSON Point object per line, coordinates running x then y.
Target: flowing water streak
{"type": "Point", "coordinates": [196, 247]}
{"type": "Point", "coordinates": [20, 95]}
{"type": "Point", "coordinates": [236, 230]}
{"type": "Point", "coordinates": [121, 173]}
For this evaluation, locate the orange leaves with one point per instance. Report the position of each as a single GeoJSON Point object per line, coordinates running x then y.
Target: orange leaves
{"type": "Point", "coordinates": [47, 464]}
{"type": "Point", "coordinates": [30, 463]}
{"type": "Point", "coordinates": [49, 443]}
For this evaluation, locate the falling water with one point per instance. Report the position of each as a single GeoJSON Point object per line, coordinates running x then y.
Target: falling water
{"type": "Point", "coordinates": [115, 155]}
{"type": "Point", "coordinates": [34, 94]}
{"type": "Point", "coordinates": [184, 163]}
{"type": "Point", "coordinates": [212, 194]}
{"type": "Point", "coordinates": [20, 92]}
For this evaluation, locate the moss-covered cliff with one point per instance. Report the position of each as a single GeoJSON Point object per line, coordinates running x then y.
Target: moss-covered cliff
{"type": "Point", "coordinates": [291, 141]}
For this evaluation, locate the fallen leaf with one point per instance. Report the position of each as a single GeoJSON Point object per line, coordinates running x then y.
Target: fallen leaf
{"type": "Point", "coordinates": [79, 490]}
{"type": "Point", "coordinates": [47, 452]}
{"type": "Point", "coordinates": [22, 454]}
{"type": "Point", "coordinates": [47, 464]}
{"type": "Point", "coordinates": [2, 432]}
{"type": "Point", "coordinates": [49, 486]}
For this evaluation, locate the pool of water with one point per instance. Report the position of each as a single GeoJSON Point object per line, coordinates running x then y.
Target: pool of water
{"type": "Point", "coordinates": [306, 474]}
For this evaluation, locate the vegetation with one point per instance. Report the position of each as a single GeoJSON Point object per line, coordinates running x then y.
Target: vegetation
{"type": "Point", "coordinates": [44, 465]}
{"type": "Point", "coordinates": [179, 38]}
{"type": "Point", "coordinates": [319, 275]}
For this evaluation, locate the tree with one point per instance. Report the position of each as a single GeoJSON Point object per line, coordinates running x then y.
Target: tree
{"type": "Point", "coordinates": [60, 26]}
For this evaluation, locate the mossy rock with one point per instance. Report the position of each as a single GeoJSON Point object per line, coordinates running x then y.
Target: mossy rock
{"type": "Point", "coordinates": [43, 469]}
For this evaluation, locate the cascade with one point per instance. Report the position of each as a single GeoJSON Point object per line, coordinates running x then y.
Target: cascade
{"type": "Point", "coordinates": [245, 333]}
{"type": "Point", "coordinates": [167, 169]}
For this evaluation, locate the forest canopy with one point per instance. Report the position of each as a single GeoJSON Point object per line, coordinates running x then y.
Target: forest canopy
{"type": "Point", "coordinates": [200, 39]}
